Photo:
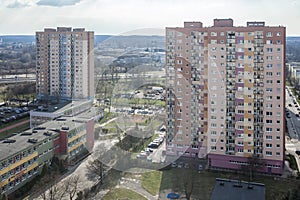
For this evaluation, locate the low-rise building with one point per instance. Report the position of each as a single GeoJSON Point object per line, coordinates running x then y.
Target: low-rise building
{"type": "Point", "coordinates": [237, 190]}
{"type": "Point", "coordinates": [67, 108]}
{"type": "Point", "coordinates": [23, 155]}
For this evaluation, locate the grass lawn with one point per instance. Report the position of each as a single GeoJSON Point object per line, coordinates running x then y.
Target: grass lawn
{"type": "Point", "coordinates": [122, 193]}
{"type": "Point", "coordinates": [18, 129]}
{"type": "Point", "coordinates": [107, 116]}
{"type": "Point", "coordinates": [112, 127]}
{"type": "Point", "coordinates": [151, 181]}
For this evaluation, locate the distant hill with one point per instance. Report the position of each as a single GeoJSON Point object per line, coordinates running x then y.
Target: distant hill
{"type": "Point", "coordinates": [18, 38]}
{"type": "Point", "coordinates": [31, 38]}
{"type": "Point", "coordinates": [289, 39]}
{"type": "Point", "coordinates": [101, 38]}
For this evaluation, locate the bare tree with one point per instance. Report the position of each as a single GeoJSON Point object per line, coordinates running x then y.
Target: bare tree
{"type": "Point", "coordinates": [188, 185]}
{"type": "Point", "coordinates": [254, 164]}
{"type": "Point", "coordinates": [52, 193]}
{"type": "Point", "coordinates": [58, 191]}
{"type": "Point", "coordinates": [71, 186]}
{"type": "Point", "coordinates": [97, 168]}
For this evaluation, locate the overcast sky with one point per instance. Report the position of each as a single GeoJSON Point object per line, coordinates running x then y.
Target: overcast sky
{"type": "Point", "coordinates": [121, 16]}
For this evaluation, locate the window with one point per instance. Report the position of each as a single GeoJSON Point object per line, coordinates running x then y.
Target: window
{"type": "Point", "coordinates": [269, 34]}
{"type": "Point", "coordinates": [269, 137]}
{"type": "Point", "coordinates": [269, 66]}
{"type": "Point", "coordinates": [213, 132]}
{"type": "Point", "coordinates": [214, 34]}
{"type": "Point", "coordinates": [269, 121]}
{"type": "Point", "coordinates": [278, 42]}
{"type": "Point", "coordinates": [240, 150]}
{"type": "Point", "coordinates": [268, 129]}
{"type": "Point", "coordinates": [269, 58]}
{"type": "Point", "coordinates": [269, 97]}
{"type": "Point", "coordinates": [268, 145]}
{"type": "Point", "coordinates": [277, 73]}
{"type": "Point", "coordinates": [269, 153]}
{"type": "Point", "coordinates": [269, 42]}
{"type": "Point", "coordinates": [278, 33]}
{"type": "Point", "coordinates": [269, 81]}
{"type": "Point", "coordinates": [269, 50]}
{"type": "Point", "coordinates": [268, 89]}
{"type": "Point", "coordinates": [269, 113]}
{"type": "Point", "coordinates": [269, 74]}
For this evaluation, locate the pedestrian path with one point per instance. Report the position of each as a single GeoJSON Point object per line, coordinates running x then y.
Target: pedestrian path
{"type": "Point", "coordinates": [135, 185]}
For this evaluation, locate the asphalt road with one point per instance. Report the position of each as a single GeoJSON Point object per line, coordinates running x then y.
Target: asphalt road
{"type": "Point", "coordinates": [292, 109]}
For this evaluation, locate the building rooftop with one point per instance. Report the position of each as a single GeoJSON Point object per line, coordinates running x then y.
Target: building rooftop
{"type": "Point", "coordinates": [62, 106]}
{"type": "Point", "coordinates": [18, 142]}
{"type": "Point", "coordinates": [237, 190]}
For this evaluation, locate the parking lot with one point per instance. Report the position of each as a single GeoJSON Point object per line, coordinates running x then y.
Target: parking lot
{"type": "Point", "coordinates": [154, 151]}
{"type": "Point", "coordinates": [11, 114]}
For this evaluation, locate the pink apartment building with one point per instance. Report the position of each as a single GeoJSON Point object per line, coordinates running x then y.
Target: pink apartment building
{"type": "Point", "coordinates": [225, 94]}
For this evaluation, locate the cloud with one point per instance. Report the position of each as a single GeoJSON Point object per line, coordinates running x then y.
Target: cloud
{"type": "Point", "coordinates": [18, 4]}
{"type": "Point", "coordinates": [57, 3]}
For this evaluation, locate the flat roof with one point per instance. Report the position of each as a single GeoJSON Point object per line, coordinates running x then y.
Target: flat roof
{"type": "Point", "coordinates": [226, 189]}
{"type": "Point", "coordinates": [21, 142]}
{"type": "Point", "coordinates": [62, 106]}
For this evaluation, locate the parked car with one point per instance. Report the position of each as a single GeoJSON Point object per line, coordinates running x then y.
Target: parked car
{"type": "Point", "coordinates": [180, 165]}
{"type": "Point", "coordinates": [153, 145]}
{"type": "Point", "coordinates": [200, 167]}
{"type": "Point", "coordinates": [148, 150]}
{"type": "Point", "coordinates": [174, 164]}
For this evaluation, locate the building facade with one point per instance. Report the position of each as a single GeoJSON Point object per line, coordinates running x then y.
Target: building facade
{"type": "Point", "coordinates": [293, 72]}
{"type": "Point", "coordinates": [65, 63]}
{"type": "Point", "coordinates": [22, 156]}
{"type": "Point", "coordinates": [225, 93]}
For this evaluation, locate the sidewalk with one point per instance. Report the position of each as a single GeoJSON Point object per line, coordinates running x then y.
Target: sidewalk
{"type": "Point", "coordinates": [136, 186]}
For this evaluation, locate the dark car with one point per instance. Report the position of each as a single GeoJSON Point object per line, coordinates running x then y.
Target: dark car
{"type": "Point", "coordinates": [153, 145]}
